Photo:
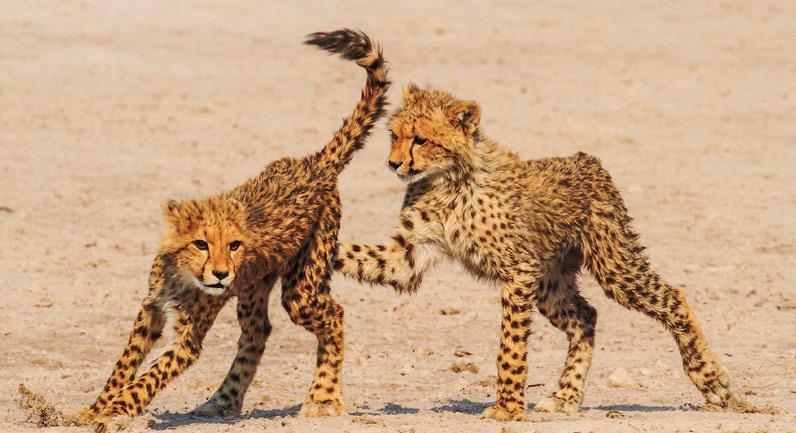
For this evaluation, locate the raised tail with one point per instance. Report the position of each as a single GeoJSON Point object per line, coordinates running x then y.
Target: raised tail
{"type": "Point", "coordinates": [356, 46]}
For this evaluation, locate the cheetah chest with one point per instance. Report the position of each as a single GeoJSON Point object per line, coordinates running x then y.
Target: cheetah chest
{"type": "Point", "coordinates": [477, 233]}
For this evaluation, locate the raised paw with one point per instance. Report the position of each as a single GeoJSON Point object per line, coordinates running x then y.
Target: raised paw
{"type": "Point", "coordinates": [556, 404]}
{"type": "Point", "coordinates": [214, 408]}
{"type": "Point", "coordinates": [502, 412]}
{"type": "Point", "coordinates": [313, 409]}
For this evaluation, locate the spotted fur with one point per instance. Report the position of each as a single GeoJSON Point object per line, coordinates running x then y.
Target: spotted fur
{"type": "Point", "coordinates": [280, 224]}
{"type": "Point", "coordinates": [529, 226]}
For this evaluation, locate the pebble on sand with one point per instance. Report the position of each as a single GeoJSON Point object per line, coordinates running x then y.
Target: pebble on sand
{"type": "Point", "coordinates": [620, 379]}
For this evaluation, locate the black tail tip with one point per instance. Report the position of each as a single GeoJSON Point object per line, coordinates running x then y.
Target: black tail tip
{"type": "Point", "coordinates": [350, 44]}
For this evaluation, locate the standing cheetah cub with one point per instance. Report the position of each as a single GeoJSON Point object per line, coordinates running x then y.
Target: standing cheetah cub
{"type": "Point", "coordinates": [281, 224]}
{"type": "Point", "coordinates": [529, 226]}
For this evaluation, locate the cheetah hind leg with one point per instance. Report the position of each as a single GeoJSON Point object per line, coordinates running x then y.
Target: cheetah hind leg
{"type": "Point", "coordinates": [307, 300]}
{"type": "Point", "coordinates": [624, 273]}
{"type": "Point", "coordinates": [325, 398]}
{"type": "Point", "coordinates": [559, 300]}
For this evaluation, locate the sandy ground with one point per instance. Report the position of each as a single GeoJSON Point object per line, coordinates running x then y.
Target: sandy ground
{"type": "Point", "coordinates": [109, 108]}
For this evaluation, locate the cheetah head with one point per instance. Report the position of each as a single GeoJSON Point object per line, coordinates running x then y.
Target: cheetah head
{"type": "Point", "coordinates": [432, 133]}
{"type": "Point", "coordinates": [208, 241]}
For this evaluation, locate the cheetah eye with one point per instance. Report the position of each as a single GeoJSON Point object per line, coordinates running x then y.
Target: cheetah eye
{"type": "Point", "coordinates": [233, 246]}
{"type": "Point", "coordinates": [202, 245]}
{"type": "Point", "coordinates": [393, 136]}
{"type": "Point", "coordinates": [419, 141]}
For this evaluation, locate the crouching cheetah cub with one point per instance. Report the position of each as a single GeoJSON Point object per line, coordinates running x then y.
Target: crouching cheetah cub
{"type": "Point", "coordinates": [529, 226]}
{"type": "Point", "coordinates": [282, 223]}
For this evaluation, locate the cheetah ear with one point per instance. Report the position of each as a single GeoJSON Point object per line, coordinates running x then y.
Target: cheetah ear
{"type": "Point", "coordinates": [171, 205]}
{"type": "Point", "coordinates": [171, 209]}
{"type": "Point", "coordinates": [410, 89]}
{"type": "Point", "coordinates": [466, 115]}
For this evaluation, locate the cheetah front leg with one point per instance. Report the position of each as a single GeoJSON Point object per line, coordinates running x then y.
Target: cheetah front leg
{"type": "Point", "coordinates": [146, 331]}
{"type": "Point", "coordinates": [255, 329]}
{"type": "Point", "coordinates": [191, 327]}
{"type": "Point", "coordinates": [399, 263]}
{"type": "Point", "coordinates": [512, 367]}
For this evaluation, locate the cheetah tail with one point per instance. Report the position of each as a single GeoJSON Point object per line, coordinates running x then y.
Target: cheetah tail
{"type": "Point", "coordinates": [356, 46]}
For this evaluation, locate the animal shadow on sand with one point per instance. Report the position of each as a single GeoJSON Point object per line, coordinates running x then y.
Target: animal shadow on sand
{"type": "Point", "coordinates": [476, 408]}
{"type": "Point", "coordinates": [170, 420]}
{"type": "Point", "coordinates": [640, 408]}
{"type": "Point", "coordinates": [462, 406]}
{"type": "Point", "coordinates": [167, 421]}
{"type": "Point", "coordinates": [390, 409]}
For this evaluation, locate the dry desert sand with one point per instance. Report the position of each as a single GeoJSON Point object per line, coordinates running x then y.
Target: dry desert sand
{"type": "Point", "coordinates": [109, 108]}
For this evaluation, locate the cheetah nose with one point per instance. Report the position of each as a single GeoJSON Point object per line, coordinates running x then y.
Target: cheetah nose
{"type": "Point", "coordinates": [394, 165]}
{"type": "Point", "coordinates": [220, 274]}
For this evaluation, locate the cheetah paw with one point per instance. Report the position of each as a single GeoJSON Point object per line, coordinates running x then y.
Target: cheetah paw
{"type": "Point", "coordinates": [100, 424]}
{"type": "Point", "coordinates": [555, 404]}
{"type": "Point", "coordinates": [314, 409]}
{"type": "Point", "coordinates": [213, 409]}
{"type": "Point", "coordinates": [112, 424]}
{"type": "Point", "coordinates": [717, 389]}
{"type": "Point", "coordinates": [85, 416]}
{"type": "Point", "coordinates": [501, 413]}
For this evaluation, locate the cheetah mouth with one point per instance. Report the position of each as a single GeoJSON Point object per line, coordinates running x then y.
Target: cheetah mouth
{"type": "Point", "coordinates": [211, 289]}
{"type": "Point", "coordinates": [410, 176]}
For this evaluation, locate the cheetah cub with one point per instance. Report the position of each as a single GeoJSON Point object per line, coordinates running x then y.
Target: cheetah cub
{"type": "Point", "coordinates": [529, 226]}
{"type": "Point", "coordinates": [281, 224]}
